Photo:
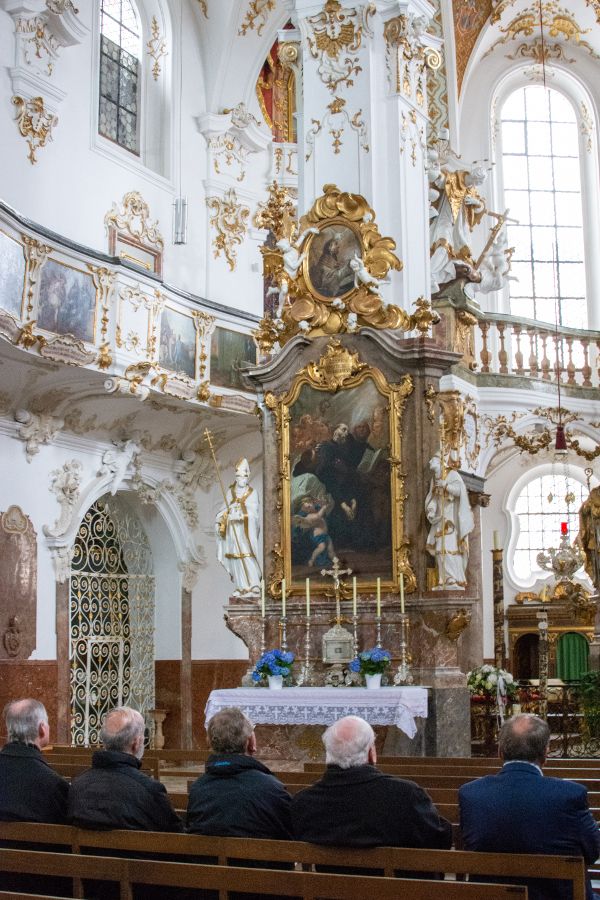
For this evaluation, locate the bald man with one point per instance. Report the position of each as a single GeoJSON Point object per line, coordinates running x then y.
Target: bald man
{"type": "Point", "coordinates": [519, 810]}
{"type": "Point", "coordinates": [356, 805]}
{"type": "Point", "coordinates": [30, 791]}
{"type": "Point", "coordinates": [114, 793]}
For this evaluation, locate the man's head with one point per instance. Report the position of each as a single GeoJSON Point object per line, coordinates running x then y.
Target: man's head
{"type": "Point", "coordinates": [349, 742]}
{"type": "Point", "coordinates": [123, 730]}
{"type": "Point", "coordinates": [27, 722]}
{"type": "Point", "coordinates": [230, 731]}
{"type": "Point", "coordinates": [361, 431]}
{"type": "Point", "coordinates": [341, 433]}
{"type": "Point", "coordinates": [524, 737]}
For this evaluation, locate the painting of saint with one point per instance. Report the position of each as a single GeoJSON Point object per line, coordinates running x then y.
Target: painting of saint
{"type": "Point", "coordinates": [67, 301]}
{"type": "Point", "coordinates": [329, 256]}
{"type": "Point", "coordinates": [340, 486]}
{"type": "Point", "coordinates": [12, 275]}
{"type": "Point", "coordinates": [177, 343]}
{"type": "Point", "coordinates": [230, 352]}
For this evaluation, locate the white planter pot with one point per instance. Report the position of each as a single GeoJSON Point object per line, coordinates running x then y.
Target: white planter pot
{"type": "Point", "coordinates": [275, 682]}
{"type": "Point", "coordinates": [373, 682]}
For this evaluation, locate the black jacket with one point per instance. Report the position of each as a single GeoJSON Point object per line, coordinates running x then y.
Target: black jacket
{"type": "Point", "coordinates": [30, 791]}
{"type": "Point", "coordinates": [115, 794]}
{"type": "Point", "coordinates": [362, 807]}
{"type": "Point", "coordinates": [239, 797]}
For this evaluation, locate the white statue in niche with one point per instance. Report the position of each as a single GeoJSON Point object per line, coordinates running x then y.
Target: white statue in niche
{"type": "Point", "coordinates": [451, 521]}
{"type": "Point", "coordinates": [238, 529]}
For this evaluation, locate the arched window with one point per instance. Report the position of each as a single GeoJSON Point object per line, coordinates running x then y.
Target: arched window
{"type": "Point", "coordinates": [542, 504]}
{"type": "Point", "coordinates": [120, 53]}
{"type": "Point", "coordinates": [541, 177]}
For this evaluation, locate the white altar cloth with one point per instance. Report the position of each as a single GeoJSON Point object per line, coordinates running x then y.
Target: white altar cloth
{"type": "Point", "coordinates": [323, 706]}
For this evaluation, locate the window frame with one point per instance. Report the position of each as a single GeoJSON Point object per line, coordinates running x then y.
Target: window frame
{"type": "Point", "coordinates": [577, 94]}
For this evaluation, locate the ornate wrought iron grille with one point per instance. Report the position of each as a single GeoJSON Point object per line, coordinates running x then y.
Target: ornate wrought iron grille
{"type": "Point", "coordinates": [112, 618]}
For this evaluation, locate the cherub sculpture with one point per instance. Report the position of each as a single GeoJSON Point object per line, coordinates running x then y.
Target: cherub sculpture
{"type": "Point", "coordinates": [363, 276]}
{"type": "Point", "coordinates": [291, 253]}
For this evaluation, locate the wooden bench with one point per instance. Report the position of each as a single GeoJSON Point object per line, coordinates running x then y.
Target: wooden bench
{"type": "Point", "coordinates": [309, 885]}
{"type": "Point", "coordinates": [223, 850]}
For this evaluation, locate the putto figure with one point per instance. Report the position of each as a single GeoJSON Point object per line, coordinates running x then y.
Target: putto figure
{"type": "Point", "coordinates": [238, 529]}
{"type": "Point", "coordinates": [449, 513]}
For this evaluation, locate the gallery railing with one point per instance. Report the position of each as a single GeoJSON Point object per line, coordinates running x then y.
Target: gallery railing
{"type": "Point", "coordinates": [574, 729]}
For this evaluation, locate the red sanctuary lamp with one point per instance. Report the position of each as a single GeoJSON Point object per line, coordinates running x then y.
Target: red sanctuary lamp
{"type": "Point", "coordinates": [564, 529]}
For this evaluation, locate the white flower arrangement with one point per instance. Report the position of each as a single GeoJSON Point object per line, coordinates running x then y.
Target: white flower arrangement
{"type": "Point", "coordinates": [490, 682]}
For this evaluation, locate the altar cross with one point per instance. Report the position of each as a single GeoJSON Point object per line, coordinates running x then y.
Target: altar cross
{"type": "Point", "coordinates": [335, 573]}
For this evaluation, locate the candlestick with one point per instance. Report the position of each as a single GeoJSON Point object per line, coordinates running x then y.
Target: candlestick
{"type": "Point", "coordinates": [308, 598]}
{"type": "Point", "coordinates": [496, 541]}
{"type": "Point", "coordinates": [378, 635]}
{"type": "Point", "coordinates": [283, 627]}
{"type": "Point", "coordinates": [403, 674]}
{"type": "Point", "coordinates": [262, 598]}
{"type": "Point", "coordinates": [283, 599]}
{"type": "Point", "coordinates": [354, 595]}
{"type": "Point", "coordinates": [402, 592]}
{"type": "Point", "coordinates": [306, 675]}
{"type": "Point", "coordinates": [379, 597]}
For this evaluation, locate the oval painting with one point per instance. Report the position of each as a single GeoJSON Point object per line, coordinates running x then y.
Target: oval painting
{"type": "Point", "coordinates": [329, 258]}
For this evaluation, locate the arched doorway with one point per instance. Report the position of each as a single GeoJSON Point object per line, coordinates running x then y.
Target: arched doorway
{"type": "Point", "coordinates": [526, 657]}
{"type": "Point", "coordinates": [112, 600]}
{"type": "Point", "coordinates": [572, 652]}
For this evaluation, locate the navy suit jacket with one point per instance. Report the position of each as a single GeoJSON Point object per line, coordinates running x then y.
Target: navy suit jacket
{"type": "Point", "coordinates": [521, 811]}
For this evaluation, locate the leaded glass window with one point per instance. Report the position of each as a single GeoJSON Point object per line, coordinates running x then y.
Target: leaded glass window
{"type": "Point", "coordinates": [119, 73]}
{"type": "Point", "coordinates": [542, 505]}
{"type": "Point", "coordinates": [542, 188]}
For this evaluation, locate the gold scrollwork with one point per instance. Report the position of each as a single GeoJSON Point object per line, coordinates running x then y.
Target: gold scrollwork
{"type": "Point", "coordinates": [339, 369]}
{"type": "Point", "coordinates": [229, 218]}
{"type": "Point", "coordinates": [35, 123]}
{"type": "Point", "coordinates": [157, 47]}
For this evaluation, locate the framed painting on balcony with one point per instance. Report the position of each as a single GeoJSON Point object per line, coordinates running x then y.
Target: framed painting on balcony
{"type": "Point", "coordinates": [67, 301]}
{"type": "Point", "coordinates": [178, 346]}
{"type": "Point", "coordinates": [12, 275]}
{"type": "Point", "coordinates": [230, 352]}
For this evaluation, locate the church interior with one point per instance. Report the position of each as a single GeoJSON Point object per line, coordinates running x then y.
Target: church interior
{"type": "Point", "coordinates": [299, 349]}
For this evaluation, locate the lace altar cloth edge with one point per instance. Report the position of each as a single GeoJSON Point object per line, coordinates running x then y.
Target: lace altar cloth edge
{"type": "Point", "coordinates": [324, 706]}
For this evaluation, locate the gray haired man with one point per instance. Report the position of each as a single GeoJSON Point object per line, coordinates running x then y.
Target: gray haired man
{"type": "Point", "coordinates": [30, 791]}
{"type": "Point", "coordinates": [356, 805]}
{"type": "Point", "coordinates": [114, 793]}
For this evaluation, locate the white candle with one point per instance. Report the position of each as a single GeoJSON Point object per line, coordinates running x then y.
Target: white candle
{"type": "Point", "coordinates": [379, 596]}
{"type": "Point", "coordinates": [283, 599]}
{"type": "Point", "coordinates": [262, 598]}
{"type": "Point", "coordinates": [307, 598]}
{"type": "Point", "coordinates": [402, 592]}
{"type": "Point", "coordinates": [496, 541]}
{"type": "Point", "coordinates": [354, 595]}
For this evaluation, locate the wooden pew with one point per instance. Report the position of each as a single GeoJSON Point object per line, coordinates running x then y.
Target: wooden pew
{"type": "Point", "coordinates": [223, 850]}
{"type": "Point", "coordinates": [309, 885]}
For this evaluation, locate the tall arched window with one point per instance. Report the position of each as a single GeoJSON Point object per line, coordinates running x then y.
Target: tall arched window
{"type": "Point", "coordinates": [542, 188]}
{"type": "Point", "coordinates": [120, 53]}
{"type": "Point", "coordinates": [543, 503]}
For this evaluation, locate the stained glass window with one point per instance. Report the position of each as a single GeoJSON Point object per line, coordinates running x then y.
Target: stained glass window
{"type": "Point", "coordinates": [543, 504]}
{"type": "Point", "coordinates": [542, 188]}
{"type": "Point", "coordinates": [120, 50]}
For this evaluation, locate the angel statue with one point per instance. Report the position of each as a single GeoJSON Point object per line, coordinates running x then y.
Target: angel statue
{"type": "Point", "coordinates": [363, 276]}
{"type": "Point", "coordinates": [291, 253]}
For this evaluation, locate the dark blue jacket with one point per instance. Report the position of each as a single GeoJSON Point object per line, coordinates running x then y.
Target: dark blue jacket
{"type": "Point", "coordinates": [239, 797]}
{"type": "Point", "coordinates": [521, 811]}
{"type": "Point", "coordinates": [30, 790]}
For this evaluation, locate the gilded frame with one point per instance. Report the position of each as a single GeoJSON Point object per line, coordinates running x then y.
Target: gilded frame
{"type": "Point", "coordinates": [98, 297]}
{"type": "Point", "coordinates": [341, 224]}
{"type": "Point", "coordinates": [172, 309]}
{"type": "Point", "coordinates": [341, 370]}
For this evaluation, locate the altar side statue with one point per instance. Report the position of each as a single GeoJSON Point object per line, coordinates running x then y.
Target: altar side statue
{"type": "Point", "coordinates": [238, 528]}
{"type": "Point", "coordinates": [449, 513]}
{"type": "Point", "coordinates": [291, 253]}
{"type": "Point", "coordinates": [494, 266]}
{"type": "Point", "coordinates": [363, 276]}
{"type": "Point", "coordinates": [589, 535]}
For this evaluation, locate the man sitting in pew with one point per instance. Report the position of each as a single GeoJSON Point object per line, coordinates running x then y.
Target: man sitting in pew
{"type": "Point", "coordinates": [30, 791]}
{"type": "Point", "coordinates": [356, 805]}
{"type": "Point", "coordinates": [519, 810]}
{"type": "Point", "coordinates": [237, 796]}
{"type": "Point", "coordinates": [114, 793]}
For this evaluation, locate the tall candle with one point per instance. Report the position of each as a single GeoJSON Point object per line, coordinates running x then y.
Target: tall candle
{"type": "Point", "coordinates": [283, 599]}
{"type": "Point", "coordinates": [307, 598]}
{"type": "Point", "coordinates": [402, 592]}
{"type": "Point", "coordinates": [354, 595]}
{"type": "Point", "coordinates": [262, 598]}
{"type": "Point", "coordinates": [496, 541]}
{"type": "Point", "coordinates": [379, 596]}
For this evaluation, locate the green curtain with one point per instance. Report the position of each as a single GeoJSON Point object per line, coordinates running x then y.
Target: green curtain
{"type": "Point", "coordinates": [572, 656]}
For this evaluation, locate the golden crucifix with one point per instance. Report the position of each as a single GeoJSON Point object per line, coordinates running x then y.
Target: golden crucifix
{"type": "Point", "coordinates": [335, 573]}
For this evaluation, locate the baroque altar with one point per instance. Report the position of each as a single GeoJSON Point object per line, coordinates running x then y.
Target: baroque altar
{"type": "Point", "coordinates": [362, 457]}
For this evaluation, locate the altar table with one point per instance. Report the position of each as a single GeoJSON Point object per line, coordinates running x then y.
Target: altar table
{"type": "Point", "coordinates": [397, 706]}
